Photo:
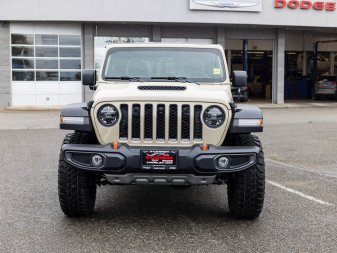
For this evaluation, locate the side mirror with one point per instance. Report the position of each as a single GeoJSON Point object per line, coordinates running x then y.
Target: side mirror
{"type": "Point", "coordinates": [89, 77]}
{"type": "Point", "coordinates": [239, 78]}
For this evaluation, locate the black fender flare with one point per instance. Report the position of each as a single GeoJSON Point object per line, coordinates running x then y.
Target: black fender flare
{"type": "Point", "coordinates": [244, 113]}
{"type": "Point", "coordinates": [76, 117]}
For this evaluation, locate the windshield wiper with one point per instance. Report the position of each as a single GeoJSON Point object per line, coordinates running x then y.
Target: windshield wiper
{"type": "Point", "coordinates": [173, 78]}
{"type": "Point", "coordinates": [129, 78]}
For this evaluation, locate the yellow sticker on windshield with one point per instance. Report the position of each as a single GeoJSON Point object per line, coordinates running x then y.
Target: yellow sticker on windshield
{"type": "Point", "coordinates": [216, 71]}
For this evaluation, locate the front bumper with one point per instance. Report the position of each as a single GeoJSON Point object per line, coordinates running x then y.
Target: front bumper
{"type": "Point", "coordinates": [160, 179]}
{"type": "Point", "coordinates": [195, 160]}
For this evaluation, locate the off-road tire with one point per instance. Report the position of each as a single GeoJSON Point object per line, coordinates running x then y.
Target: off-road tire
{"type": "Point", "coordinates": [76, 188]}
{"type": "Point", "coordinates": [246, 189]}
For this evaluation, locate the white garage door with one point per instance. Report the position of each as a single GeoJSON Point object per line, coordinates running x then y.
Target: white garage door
{"type": "Point", "coordinates": [46, 64]}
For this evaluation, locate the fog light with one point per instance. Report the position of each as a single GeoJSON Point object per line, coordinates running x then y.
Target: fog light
{"type": "Point", "coordinates": [96, 160]}
{"type": "Point", "coordinates": [223, 162]}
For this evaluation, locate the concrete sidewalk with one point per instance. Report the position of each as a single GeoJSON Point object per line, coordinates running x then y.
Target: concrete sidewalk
{"type": "Point", "coordinates": [10, 119]}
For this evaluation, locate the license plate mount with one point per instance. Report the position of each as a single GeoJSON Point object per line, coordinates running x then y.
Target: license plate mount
{"type": "Point", "coordinates": [159, 159]}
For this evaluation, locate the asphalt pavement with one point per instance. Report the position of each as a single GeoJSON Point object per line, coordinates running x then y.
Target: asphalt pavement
{"type": "Point", "coordinates": [299, 215]}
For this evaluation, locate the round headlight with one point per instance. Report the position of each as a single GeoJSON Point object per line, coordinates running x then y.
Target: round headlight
{"type": "Point", "coordinates": [107, 115]}
{"type": "Point", "coordinates": [214, 116]}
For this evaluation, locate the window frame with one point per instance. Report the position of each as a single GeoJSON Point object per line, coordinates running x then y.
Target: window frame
{"type": "Point", "coordinates": [36, 58]}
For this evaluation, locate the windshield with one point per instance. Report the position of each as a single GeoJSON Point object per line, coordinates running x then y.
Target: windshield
{"type": "Point", "coordinates": [191, 64]}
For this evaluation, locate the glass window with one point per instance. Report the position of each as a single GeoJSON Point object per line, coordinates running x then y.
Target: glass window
{"type": "Point", "coordinates": [23, 75]}
{"type": "Point", "coordinates": [70, 52]}
{"type": "Point", "coordinates": [47, 76]}
{"type": "Point", "coordinates": [46, 39]}
{"type": "Point", "coordinates": [70, 64]}
{"type": "Point", "coordinates": [22, 64]}
{"type": "Point", "coordinates": [102, 42]}
{"type": "Point", "coordinates": [46, 51]}
{"type": "Point", "coordinates": [46, 64]}
{"type": "Point", "coordinates": [26, 39]}
{"type": "Point", "coordinates": [38, 57]}
{"type": "Point", "coordinates": [197, 64]}
{"type": "Point", "coordinates": [70, 40]}
{"type": "Point", "coordinates": [70, 76]}
{"type": "Point", "coordinates": [23, 51]}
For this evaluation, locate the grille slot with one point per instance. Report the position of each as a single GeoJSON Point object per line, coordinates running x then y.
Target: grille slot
{"type": "Point", "coordinates": [148, 122]}
{"type": "Point", "coordinates": [123, 125]}
{"type": "Point", "coordinates": [185, 123]}
{"type": "Point", "coordinates": [161, 122]}
{"type": "Point", "coordinates": [197, 126]}
{"type": "Point", "coordinates": [173, 122]}
{"type": "Point", "coordinates": [136, 122]}
{"type": "Point", "coordinates": [153, 123]}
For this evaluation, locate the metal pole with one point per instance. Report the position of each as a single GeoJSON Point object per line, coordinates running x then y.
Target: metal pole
{"type": "Point", "coordinates": [314, 72]}
{"type": "Point", "coordinates": [245, 55]}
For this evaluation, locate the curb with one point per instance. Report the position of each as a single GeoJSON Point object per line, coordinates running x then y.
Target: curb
{"type": "Point", "coordinates": [31, 108]}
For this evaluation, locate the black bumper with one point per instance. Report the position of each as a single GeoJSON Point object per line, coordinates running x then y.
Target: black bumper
{"type": "Point", "coordinates": [192, 160]}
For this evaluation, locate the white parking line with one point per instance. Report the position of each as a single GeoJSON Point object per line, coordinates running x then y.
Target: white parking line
{"type": "Point", "coordinates": [301, 168]}
{"type": "Point", "coordinates": [303, 195]}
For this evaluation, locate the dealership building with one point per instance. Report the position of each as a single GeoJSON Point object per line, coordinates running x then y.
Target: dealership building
{"type": "Point", "coordinates": [45, 45]}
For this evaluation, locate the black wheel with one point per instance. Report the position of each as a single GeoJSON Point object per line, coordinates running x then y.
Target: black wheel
{"type": "Point", "coordinates": [76, 188]}
{"type": "Point", "coordinates": [246, 188]}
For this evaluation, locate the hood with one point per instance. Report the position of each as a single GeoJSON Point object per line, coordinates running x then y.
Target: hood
{"type": "Point", "coordinates": [163, 91]}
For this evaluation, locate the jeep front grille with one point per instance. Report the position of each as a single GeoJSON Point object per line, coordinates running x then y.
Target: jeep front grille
{"type": "Point", "coordinates": [173, 122]}
{"type": "Point", "coordinates": [123, 125]}
{"type": "Point", "coordinates": [160, 123]}
{"type": "Point", "coordinates": [148, 122]}
{"type": "Point", "coordinates": [197, 123]}
{"type": "Point", "coordinates": [135, 122]}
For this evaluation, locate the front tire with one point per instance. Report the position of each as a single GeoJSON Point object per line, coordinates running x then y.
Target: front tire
{"type": "Point", "coordinates": [76, 188]}
{"type": "Point", "coordinates": [246, 189]}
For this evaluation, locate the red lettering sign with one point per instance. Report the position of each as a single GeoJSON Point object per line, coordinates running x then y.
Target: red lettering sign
{"type": "Point", "coordinates": [280, 3]}
{"type": "Point", "coordinates": [330, 6]}
{"type": "Point", "coordinates": [305, 5]}
{"type": "Point", "coordinates": [293, 4]}
{"type": "Point", "coordinates": [158, 157]}
{"type": "Point", "coordinates": [318, 6]}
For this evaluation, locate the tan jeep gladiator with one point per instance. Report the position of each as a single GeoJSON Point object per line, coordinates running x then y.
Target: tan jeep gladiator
{"type": "Point", "coordinates": [162, 114]}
